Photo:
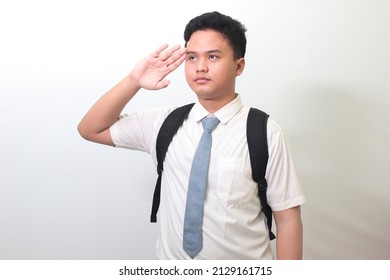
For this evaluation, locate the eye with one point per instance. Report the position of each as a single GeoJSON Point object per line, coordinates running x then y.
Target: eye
{"type": "Point", "coordinates": [191, 57]}
{"type": "Point", "coordinates": [213, 57]}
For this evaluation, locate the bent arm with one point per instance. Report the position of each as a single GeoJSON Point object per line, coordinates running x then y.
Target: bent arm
{"type": "Point", "coordinates": [289, 241]}
{"type": "Point", "coordinates": [149, 73]}
{"type": "Point", "coordinates": [105, 112]}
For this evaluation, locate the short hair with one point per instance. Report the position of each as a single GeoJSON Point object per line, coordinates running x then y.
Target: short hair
{"type": "Point", "coordinates": [231, 29]}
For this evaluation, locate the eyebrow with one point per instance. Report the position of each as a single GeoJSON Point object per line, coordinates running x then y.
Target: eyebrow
{"type": "Point", "coordinates": [210, 51]}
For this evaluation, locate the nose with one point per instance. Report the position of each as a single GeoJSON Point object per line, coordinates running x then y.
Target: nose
{"type": "Point", "coordinates": [201, 66]}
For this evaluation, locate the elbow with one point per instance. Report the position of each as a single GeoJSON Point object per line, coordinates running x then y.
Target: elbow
{"type": "Point", "coordinates": [83, 131]}
{"type": "Point", "coordinates": [103, 137]}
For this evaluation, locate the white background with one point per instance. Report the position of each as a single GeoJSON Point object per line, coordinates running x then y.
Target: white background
{"type": "Point", "coordinates": [320, 68]}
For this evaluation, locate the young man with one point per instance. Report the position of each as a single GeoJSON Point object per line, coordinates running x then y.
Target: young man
{"type": "Point", "coordinates": [233, 225]}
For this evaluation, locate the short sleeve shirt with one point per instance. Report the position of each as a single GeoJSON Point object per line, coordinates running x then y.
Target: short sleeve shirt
{"type": "Point", "coordinates": [233, 225]}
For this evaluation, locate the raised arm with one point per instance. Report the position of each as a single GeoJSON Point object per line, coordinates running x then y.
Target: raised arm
{"type": "Point", "coordinates": [149, 74]}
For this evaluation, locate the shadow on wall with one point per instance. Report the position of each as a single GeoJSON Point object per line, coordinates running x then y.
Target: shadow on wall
{"type": "Point", "coordinates": [341, 140]}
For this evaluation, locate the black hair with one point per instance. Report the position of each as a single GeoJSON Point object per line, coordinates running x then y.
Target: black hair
{"type": "Point", "coordinates": [231, 29]}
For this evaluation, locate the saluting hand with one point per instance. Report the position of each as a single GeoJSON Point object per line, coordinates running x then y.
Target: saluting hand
{"type": "Point", "coordinates": [150, 72]}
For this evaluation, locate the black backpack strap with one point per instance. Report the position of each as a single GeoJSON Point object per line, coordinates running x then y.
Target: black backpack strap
{"type": "Point", "coordinates": [258, 152]}
{"type": "Point", "coordinates": [168, 129]}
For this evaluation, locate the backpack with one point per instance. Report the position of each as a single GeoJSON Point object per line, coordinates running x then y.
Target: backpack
{"type": "Point", "coordinates": [258, 152]}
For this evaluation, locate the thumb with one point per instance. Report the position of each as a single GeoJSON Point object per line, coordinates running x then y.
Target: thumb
{"type": "Point", "coordinates": [162, 84]}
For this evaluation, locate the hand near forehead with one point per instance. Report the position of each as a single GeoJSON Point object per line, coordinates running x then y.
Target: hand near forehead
{"type": "Point", "coordinates": [151, 71]}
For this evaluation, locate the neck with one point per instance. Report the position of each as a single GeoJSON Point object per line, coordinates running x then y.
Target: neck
{"type": "Point", "coordinates": [213, 105]}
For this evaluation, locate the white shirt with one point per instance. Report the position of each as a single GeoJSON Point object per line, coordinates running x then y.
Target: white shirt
{"type": "Point", "coordinates": [233, 226]}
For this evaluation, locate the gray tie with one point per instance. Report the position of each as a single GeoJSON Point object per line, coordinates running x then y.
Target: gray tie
{"type": "Point", "coordinates": [192, 236]}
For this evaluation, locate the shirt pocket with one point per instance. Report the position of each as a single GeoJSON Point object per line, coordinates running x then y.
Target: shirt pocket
{"type": "Point", "coordinates": [235, 186]}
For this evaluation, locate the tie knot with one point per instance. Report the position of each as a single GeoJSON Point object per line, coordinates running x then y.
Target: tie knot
{"type": "Point", "coordinates": [209, 124]}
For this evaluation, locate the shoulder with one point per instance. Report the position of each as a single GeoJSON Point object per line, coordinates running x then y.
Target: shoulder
{"type": "Point", "coordinates": [153, 116]}
{"type": "Point", "coordinates": [137, 130]}
{"type": "Point", "coordinates": [160, 112]}
{"type": "Point", "coordinates": [275, 133]}
{"type": "Point", "coordinates": [274, 130]}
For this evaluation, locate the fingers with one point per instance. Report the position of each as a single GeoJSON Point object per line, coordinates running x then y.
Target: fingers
{"type": "Point", "coordinates": [169, 52]}
{"type": "Point", "coordinates": [155, 67]}
{"type": "Point", "coordinates": [162, 84]}
{"type": "Point", "coordinates": [176, 59]}
{"type": "Point", "coordinates": [163, 53]}
{"type": "Point", "coordinates": [171, 57]}
{"type": "Point", "coordinates": [158, 51]}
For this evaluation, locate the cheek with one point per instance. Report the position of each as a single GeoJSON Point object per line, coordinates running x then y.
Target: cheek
{"type": "Point", "coordinates": [188, 74]}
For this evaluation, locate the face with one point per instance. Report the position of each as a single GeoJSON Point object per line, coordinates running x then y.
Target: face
{"type": "Point", "coordinates": [210, 67]}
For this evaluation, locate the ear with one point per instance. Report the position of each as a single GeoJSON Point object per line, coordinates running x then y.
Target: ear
{"type": "Point", "coordinates": [240, 66]}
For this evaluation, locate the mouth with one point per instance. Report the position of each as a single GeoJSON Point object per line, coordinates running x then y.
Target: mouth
{"type": "Point", "coordinates": [201, 80]}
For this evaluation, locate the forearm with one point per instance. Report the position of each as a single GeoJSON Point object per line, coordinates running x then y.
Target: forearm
{"type": "Point", "coordinates": [107, 109]}
{"type": "Point", "coordinates": [149, 74]}
{"type": "Point", "coordinates": [289, 241]}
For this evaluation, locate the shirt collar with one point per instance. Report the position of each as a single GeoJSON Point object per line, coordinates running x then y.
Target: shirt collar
{"type": "Point", "coordinates": [224, 114]}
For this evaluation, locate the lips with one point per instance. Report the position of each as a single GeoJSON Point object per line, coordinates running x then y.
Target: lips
{"type": "Point", "coordinates": [201, 80]}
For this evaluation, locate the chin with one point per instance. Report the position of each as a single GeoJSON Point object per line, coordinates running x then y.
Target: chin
{"type": "Point", "coordinates": [201, 90]}
{"type": "Point", "coordinates": [203, 94]}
